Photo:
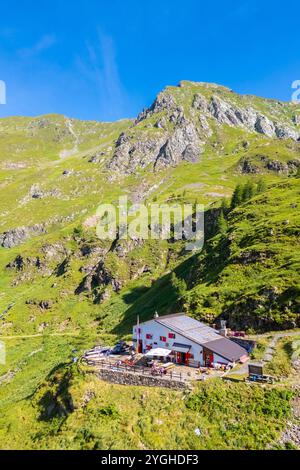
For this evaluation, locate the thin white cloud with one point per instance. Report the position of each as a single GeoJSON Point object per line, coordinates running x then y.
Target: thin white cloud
{"type": "Point", "coordinates": [101, 67]}
{"type": "Point", "coordinates": [44, 43]}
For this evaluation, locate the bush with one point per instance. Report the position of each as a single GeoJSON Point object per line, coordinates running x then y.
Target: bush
{"type": "Point", "coordinates": [109, 411]}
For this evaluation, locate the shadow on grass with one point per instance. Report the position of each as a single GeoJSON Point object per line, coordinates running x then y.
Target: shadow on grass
{"type": "Point", "coordinates": [55, 400]}
{"type": "Point", "coordinates": [162, 297]}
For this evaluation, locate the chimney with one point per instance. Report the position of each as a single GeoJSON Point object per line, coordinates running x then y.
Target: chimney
{"type": "Point", "coordinates": [223, 331]}
{"type": "Point", "coordinates": [156, 315]}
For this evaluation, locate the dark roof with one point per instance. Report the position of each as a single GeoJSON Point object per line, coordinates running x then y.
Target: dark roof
{"type": "Point", "coordinates": [227, 349]}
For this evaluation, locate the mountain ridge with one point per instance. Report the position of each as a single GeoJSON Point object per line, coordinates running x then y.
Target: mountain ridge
{"type": "Point", "coordinates": [63, 290]}
{"type": "Point", "coordinates": [185, 147]}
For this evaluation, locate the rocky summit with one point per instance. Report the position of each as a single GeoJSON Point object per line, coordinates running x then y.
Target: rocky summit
{"type": "Point", "coordinates": [182, 122]}
{"type": "Point", "coordinates": [196, 143]}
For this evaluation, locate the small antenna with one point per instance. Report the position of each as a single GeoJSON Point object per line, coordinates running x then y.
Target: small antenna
{"type": "Point", "coordinates": [138, 335]}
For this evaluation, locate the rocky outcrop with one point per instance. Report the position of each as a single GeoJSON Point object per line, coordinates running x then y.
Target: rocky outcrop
{"type": "Point", "coordinates": [19, 235]}
{"type": "Point", "coordinates": [164, 102]}
{"type": "Point", "coordinates": [168, 149]}
{"type": "Point", "coordinates": [227, 113]}
{"type": "Point", "coordinates": [262, 163]}
{"type": "Point", "coordinates": [131, 154]}
{"type": "Point", "coordinates": [183, 144]}
{"type": "Point", "coordinates": [265, 126]}
{"type": "Point", "coordinates": [45, 304]}
{"type": "Point", "coordinates": [97, 279]}
{"type": "Point", "coordinates": [20, 263]}
{"type": "Point", "coordinates": [247, 167]}
{"type": "Point", "coordinates": [180, 134]}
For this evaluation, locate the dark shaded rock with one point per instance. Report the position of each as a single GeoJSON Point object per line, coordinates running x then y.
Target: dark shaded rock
{"type": "Point", "coordinates": [260, 163]}
{"type": "Point", "coordinates": [20, 263]}
{"type": "Point", "coordinates": [252, 256]}
{"type": "Point", "coordinates": [17, 264]}
{"type": "Point", "coordinates": [98, 277]}
{"type": "Point", "coordinates": [45, 304]}
{"type": "Point", "coordinates": [67, 172]}
{"type": "Point", "coordinates": [248, 167]}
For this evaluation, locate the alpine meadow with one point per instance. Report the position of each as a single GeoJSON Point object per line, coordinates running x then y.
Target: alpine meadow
{"type": "Point", "coordinates": [63, 290]}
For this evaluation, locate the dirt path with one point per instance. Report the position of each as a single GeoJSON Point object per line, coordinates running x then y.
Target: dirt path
{"type": "Point", "coordinates": [38, 335]}
{"type": "Point", "coordinates": [269, 352]}
{"type": "Point", "coordinates": [70, 152]}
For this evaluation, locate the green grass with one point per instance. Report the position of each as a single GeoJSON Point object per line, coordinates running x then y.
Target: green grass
{"type": "Point", "coordinates": [250, 275]}
{"type": "Point", "coordinates": [287, 349]}
{"type": "Point", "coordinates": [71, 411]}
{"type": "Point", "coordinates": [261, 346]}
{"type": "Point", "coordinates": [260, 295]}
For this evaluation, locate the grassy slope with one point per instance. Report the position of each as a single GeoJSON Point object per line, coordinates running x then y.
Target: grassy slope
{"type": "Point", "coordinates": [30, 154]}
{"type": "Point", "coordinates": [250, 275]}
{"type": "Point", "coordinates": [229, 416]}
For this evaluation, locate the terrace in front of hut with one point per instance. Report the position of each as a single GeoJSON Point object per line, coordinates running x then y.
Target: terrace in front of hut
{"type": "Point", "coordinates": [172, 348]}
{"type": "Point", "coordinates": [183, 340]}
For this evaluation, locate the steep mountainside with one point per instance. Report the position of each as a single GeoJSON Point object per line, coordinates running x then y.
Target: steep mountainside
{"type": "Point", "coordinates": [249, 272]}
{"type": "Point", "coordinates": [62, 289]}
{"type": "Point", "coordinates": [195, 143]}
{"type": "Point", "coordinates": [184, 122]}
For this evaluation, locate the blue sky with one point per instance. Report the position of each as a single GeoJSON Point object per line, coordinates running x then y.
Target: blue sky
{"type": "Point", "coordinates": [104, 60]}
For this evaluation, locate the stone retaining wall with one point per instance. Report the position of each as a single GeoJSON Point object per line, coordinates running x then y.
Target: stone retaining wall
{"type": "Point", "coordinates": [129, 378]}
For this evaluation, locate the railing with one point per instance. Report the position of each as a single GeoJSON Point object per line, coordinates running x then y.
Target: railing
{"type": "Point", "coordinates": [193, 363]}
{"type": "Point", "coordinates": [140, 370]}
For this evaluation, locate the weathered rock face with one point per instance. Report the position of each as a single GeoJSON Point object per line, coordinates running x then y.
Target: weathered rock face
{"type": "Point", "coordinates": [164, 102]}
{"type": "Point", "coordinates": [184, 144]}
{"type": "Point", "coordinates": [180, 134]}
{"type": "Point", "coordinates": [265, 126]}
{"type": "Point", "coordinates": [130, 154]}
{"type": "Point", "coordinates": [19, 235]}
{"type": "Point", "coordinates": [165, 149]}
{"type": "Point", "coordinates": [248, 118]}
{"type": "Point", "coordinates": [97, 280]}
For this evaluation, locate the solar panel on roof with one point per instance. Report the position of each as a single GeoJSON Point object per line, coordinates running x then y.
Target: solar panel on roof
{"type": "Point", "coordinates": [181, 322]}
{"type": "Point", "coordinates": [189, 327]}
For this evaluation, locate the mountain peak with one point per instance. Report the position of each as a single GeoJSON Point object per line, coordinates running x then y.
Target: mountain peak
{"type": "Point", "coordinates": [185, 121]}
{"type": "Point", "coordinates": [208, 85]}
